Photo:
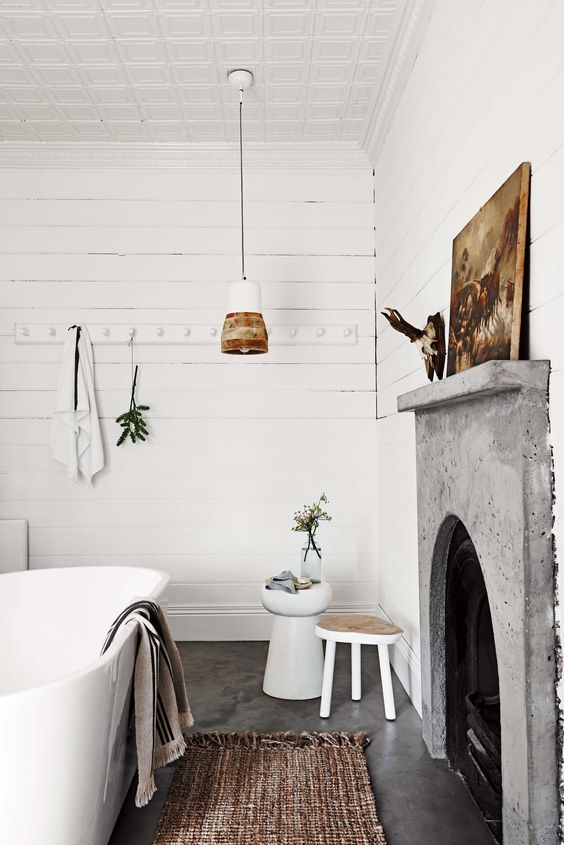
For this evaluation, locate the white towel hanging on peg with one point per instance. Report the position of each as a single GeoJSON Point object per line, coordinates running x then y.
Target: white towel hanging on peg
{"type": "Point", "coordinates": [75, 432]}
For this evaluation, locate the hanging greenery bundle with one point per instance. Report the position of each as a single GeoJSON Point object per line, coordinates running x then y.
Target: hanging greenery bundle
{"type": "Point", "coordinates": [131, 421]}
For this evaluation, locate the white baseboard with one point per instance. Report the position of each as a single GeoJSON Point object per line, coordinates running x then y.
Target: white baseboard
{"type": "Point", "coordinates": [408, 669]}
{"type": "Point", "coordinates": [231, 622]}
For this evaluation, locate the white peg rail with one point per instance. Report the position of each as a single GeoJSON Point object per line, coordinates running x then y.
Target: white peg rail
{"type": "Point", "coordinates": [278, 335]}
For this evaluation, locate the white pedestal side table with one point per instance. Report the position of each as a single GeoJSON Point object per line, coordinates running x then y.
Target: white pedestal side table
{"type": "Point", "coordinates": [294, 667]}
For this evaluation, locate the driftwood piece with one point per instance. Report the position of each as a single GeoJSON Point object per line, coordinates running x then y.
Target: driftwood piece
{"type": "Point", "coordinates": [430, 340]}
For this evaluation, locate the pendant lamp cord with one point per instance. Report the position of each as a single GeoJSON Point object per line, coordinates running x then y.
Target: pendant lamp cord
{"type": "Point", "coordinates": [241, 174]}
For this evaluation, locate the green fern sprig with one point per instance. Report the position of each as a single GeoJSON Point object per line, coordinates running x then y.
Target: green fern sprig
{"type": "Point", "coordinates": [132, 423]}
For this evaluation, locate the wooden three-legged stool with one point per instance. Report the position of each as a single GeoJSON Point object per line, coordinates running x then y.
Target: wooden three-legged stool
{"type": "Point", "coordinates": [358, 631]}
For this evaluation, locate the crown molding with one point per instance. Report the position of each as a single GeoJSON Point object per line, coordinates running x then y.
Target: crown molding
{"type": "Point", "coordinates": [405, 45]}
{"type": "Point", "coordinates": [265, 156]}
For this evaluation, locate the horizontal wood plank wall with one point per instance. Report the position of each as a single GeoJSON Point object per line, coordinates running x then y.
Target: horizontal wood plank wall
{"type": "Point", "coordinates": [236, 444]}
{"type": "Point", "coordinates": [481, 98]}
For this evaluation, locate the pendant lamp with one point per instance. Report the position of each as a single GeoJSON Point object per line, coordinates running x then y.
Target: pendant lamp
{"type": "Point", "coordinates": [244, 331]}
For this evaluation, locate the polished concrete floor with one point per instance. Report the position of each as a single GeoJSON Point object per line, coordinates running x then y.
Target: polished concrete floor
{"type": "Point", "coordinates": [420, 801]}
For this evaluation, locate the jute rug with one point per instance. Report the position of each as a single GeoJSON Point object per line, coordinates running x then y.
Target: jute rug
{"type": "Point", "coordinates": [271, 789]}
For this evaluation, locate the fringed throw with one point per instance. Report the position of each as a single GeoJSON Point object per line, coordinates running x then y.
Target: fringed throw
{"type": "Point", "coordinates": [159, 691]}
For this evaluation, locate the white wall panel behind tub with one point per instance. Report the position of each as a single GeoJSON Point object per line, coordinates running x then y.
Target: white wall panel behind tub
{"type": "Point", "coordinates": [477, 105]}
{"type": "Point", "coordinates": [236, 445]}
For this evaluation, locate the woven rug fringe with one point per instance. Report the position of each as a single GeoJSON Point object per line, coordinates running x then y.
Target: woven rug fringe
{"type": "Point", "coordinates": [276, 740]}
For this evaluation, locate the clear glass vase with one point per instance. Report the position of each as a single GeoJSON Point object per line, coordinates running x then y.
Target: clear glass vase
{"type": "Point", "coordinates": [311, 564]}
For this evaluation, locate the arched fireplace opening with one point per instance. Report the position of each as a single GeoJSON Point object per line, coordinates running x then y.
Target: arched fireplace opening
{"type": "Point", "coordinates": [473, 723]}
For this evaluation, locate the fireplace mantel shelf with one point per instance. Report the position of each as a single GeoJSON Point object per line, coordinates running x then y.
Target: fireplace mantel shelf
{"type": "Point", "coordinates": [488, 378]}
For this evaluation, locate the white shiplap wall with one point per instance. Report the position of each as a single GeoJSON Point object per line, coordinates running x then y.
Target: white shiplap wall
{"type": "Point", "coordinates": [236, 444]}
{"type": "Point", "coordinates": [484, 94]}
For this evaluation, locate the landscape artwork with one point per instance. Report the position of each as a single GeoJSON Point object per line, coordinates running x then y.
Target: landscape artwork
{"type": "Point", "coordinates": [488, 261]}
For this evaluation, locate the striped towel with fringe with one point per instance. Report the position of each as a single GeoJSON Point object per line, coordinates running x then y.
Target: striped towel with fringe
{"type": "Point", "coordinates": [159, 692]}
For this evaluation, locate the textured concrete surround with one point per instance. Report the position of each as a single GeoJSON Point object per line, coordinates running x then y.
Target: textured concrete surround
{"type": "Point", "coordinates": [483, 457]}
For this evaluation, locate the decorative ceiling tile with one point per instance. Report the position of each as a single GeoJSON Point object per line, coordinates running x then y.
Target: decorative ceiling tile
{"type": "Point", "coordinates": [189, 51]}
{"type": "Point", "coordinates": [25, 95]}
{"type": "Point", "coordinates": [198, 94]}
{"type": "Point", "coordinates": [287, 94]}
{"type": "Point", "coordinates": [288, 25]}
{"type": "Point", "coordinates": [40, 111]}
{"type": "Point", "coordinates": [121, 113]}
{"type": "Point", "coordinates": [156, 95]}
{"type": "Point", "coordinates": [15, 76]}
{"type": "Point", "coordinates": [232, 5]}
{"type": "Point", "coordinates": [133, 52]}
{"type": "Point", "coordinates": [158, 112]}
{"type": "Point", "coordinates": [185, 26]}
{"type": "Point", "coordinates": [71, 5]}
{"type": "Point", "coordinates": [379, 23]}
{"type": "Point", "coordinates": [238, 50]}
{"type": "Point", "coordinates": [80, 112]}
{"type": "Point", "coordinates": [203, 112]}
{"type": "Point", "coordinates": [8, 112]}
{"type": "Point", "coordinates": [56, 75]}
{"type": "Point", "coordinates": [298, 50]}
{"type": "Point", "coordinates": [325, 111]}
{"type": "Point", "coordinates": [104, 75]}
{"type": "Point", "coordinates": [92, 131]}
{"type": "Point", "coordinates": [237, 25]}
{"type": "Point", "coordinates": [156, 70]}
{"type": "Point", "coordinates": [372, 49]}
{"type": "Point", "coordinates": [335, 49]}
{"type": "Point", "coordinates": [284, 113]}
{"type": "Point", "coordinates": [92, 52]}
{"type": "Point", "coordinates": [78, 26]}
{"type": "Point", "coordinates": [125, 5]}
{"type": "Point", "coordinates": [32, 27]}
{"type": "Point", "coordinates": [68, 96]}
{"type": "Point", "coordinates": [122, 26]}
{"type": "Point", "coordinates": [110, 95]}
{"type": "Point", "coordinates": [284, 74]}
{"type": "Point", "coordinates": [339, 24]}
{"type": "Point", "coordinates": [8, 55]}
{"type": "Point", "coordinates": [195, 74]}
{"type": "Point", "coordinates": [326, 93]}
{"type": "Point", "coordinates": [327, 73]}
{"type": "Point", "coordinates": [140, 75]}
{"type": "Point", "coordinates": [169, 131]}
{"type": "Point", "coordinates": [42, 53]}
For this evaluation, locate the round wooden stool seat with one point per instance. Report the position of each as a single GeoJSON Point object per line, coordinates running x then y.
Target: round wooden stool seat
{"type": "Point", "coordinates": [358, 630]}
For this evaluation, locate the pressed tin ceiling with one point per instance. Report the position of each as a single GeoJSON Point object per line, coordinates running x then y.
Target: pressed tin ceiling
{"type": "Point", "coordinates": [155, 70]}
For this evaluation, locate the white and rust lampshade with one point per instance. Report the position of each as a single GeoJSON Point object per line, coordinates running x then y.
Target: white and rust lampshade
{"type": "Point", "coordinates": [244, 331]}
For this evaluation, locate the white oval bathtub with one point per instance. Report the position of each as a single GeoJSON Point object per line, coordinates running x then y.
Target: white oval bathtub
{"type": "Point", "coordinates": [66, 761]}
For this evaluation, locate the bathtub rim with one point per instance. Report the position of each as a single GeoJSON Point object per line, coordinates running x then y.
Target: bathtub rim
{"type": "Point", "coordinates": [121, 637]}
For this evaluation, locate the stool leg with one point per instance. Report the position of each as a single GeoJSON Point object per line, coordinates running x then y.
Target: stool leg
{"type": "Point", "coordinates": [387, 689]}
{"type": "Point", "coordinates": [327, 687]}
{"type": "Point", "coordinates": [356, 688]}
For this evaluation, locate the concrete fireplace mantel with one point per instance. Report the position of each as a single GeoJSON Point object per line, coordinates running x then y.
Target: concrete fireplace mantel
{"type": "Point", "coordinates": [484, 459]}
{"type": "Point", "coordinates": [485, 380]}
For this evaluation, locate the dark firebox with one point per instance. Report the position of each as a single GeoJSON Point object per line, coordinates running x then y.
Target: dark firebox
{"type": "Point", "coordinates": [472, 684]}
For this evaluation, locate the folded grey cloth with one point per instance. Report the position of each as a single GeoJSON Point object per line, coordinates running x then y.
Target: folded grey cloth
{"type": "Point", "coordinates": [285, 581]}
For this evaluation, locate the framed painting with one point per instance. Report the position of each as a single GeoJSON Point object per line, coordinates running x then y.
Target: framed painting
{"type": "Point", "coordinates": [488, 260]}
